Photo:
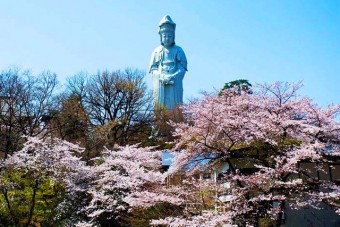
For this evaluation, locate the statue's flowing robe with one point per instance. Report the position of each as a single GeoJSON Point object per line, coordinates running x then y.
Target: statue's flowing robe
{"type": "Point", "coordinates": [168, 95]}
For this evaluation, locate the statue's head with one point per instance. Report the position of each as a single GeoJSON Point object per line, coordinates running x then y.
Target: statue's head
{"type": "Point", "coordinates": [167, 31]}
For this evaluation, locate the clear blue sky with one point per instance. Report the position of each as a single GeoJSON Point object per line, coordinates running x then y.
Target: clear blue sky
{"type": "Point", "coordinates": [224, 40]}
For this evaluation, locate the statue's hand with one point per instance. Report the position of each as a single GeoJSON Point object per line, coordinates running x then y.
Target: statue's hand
{"type": "Point", "coordinates": [163, 80]}
{"type": "Point", "coordinates": [168, 80]}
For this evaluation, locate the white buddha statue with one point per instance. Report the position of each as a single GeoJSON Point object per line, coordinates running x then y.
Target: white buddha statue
{"type": "Point", "coordinates": [168, 66]}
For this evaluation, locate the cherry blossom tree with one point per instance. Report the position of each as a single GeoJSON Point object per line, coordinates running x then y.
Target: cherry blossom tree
{"type": "Point", "coordinates": [42, 183]}
{"type": "Point", "coordinates": [271, 129]}
{"type": "Point", "coordinates": [271, 140]}
{"type": "Point", "coordinates": [125, 178]}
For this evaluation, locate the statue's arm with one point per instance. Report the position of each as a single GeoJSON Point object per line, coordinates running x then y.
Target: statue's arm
{"type": "Point", "coordinates": [181, 63]}
{"type": "Point", "coordinates": [154, 61]}
{"type": "Point", "coordinates": [180, 72]}
{"type": "Point", "coordinates": [182, 59]}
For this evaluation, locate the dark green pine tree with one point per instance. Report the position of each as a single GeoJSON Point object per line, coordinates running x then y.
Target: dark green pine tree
{"type": "Point", "coordinates": [241, 85]}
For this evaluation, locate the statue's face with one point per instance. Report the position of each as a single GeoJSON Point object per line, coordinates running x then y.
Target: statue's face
{"type": "Point", "coordinates": [168, 39]}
